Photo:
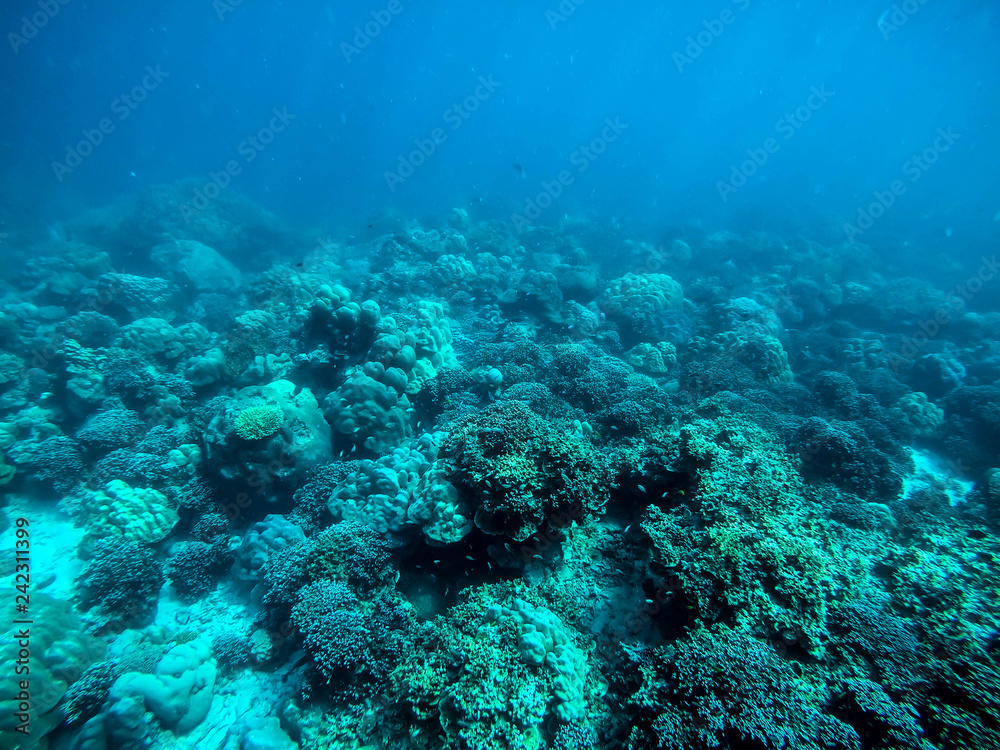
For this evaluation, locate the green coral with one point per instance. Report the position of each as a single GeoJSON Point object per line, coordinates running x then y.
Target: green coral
{"type": "Point", "coordinates": [523, 470]}
{"type": "Point", "coordinates": [736, 534]}
{"type": "Point", "coordinates": [717, 688]}
{"type": "Point", "coordinates": [344, 727]}
{"type": "Point", "coordinates": [258, 421]}
{"type": "Point", "coordinates": [140, 514]}
{"type": "Point", "coordinates": [85, 696]}
{"type": "Point", "coordinates": [499, 670]}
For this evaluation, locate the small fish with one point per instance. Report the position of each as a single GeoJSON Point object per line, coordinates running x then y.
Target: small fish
{"type": "Point", "coordinates": [627, 528]}
{"type": "Point", "coordinates": [520, 170]}
{"type": "Point", "coordinates": [642, 489]}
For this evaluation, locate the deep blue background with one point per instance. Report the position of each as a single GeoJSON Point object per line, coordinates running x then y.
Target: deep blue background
{"type": "Point", "coordinates": [354, 119]}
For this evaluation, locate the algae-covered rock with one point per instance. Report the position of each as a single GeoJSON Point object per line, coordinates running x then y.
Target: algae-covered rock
{"type": "Point", "coordinates": [197, 266]}
{"type": "Point", "coordinates": [254, 448]}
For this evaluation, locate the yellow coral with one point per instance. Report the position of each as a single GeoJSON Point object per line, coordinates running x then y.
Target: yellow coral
{"type": "Point", "coordinates": [138, 514]}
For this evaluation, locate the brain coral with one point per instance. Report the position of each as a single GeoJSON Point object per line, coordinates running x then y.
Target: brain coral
{"type": "Point", "coordinates": [643, 293]}
{"type": "Point", "coordinates": [645, 307]}
{"type": "Point", "coordinates": [442, 516]}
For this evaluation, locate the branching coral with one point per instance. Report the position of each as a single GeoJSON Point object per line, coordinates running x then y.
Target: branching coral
{"type": "Point", "coordinates": [522, 469]}
{"type": "Point", "coordinates": [121, 579]}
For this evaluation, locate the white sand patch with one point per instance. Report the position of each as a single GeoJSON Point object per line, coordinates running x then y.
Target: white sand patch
{"type": "Point", "coordinates": [931, 470]}
{"type": "Point", "coordinates": [54, 540]}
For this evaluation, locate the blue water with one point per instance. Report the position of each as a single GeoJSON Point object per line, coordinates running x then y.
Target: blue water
{"type": "Point", "coordinates": [558, 80]}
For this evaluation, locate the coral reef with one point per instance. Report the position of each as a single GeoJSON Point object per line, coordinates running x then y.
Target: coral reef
{"type": "Point", "coordinates": [521, 470]}
{"type": "Point", "coordinates": [467, 487]}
